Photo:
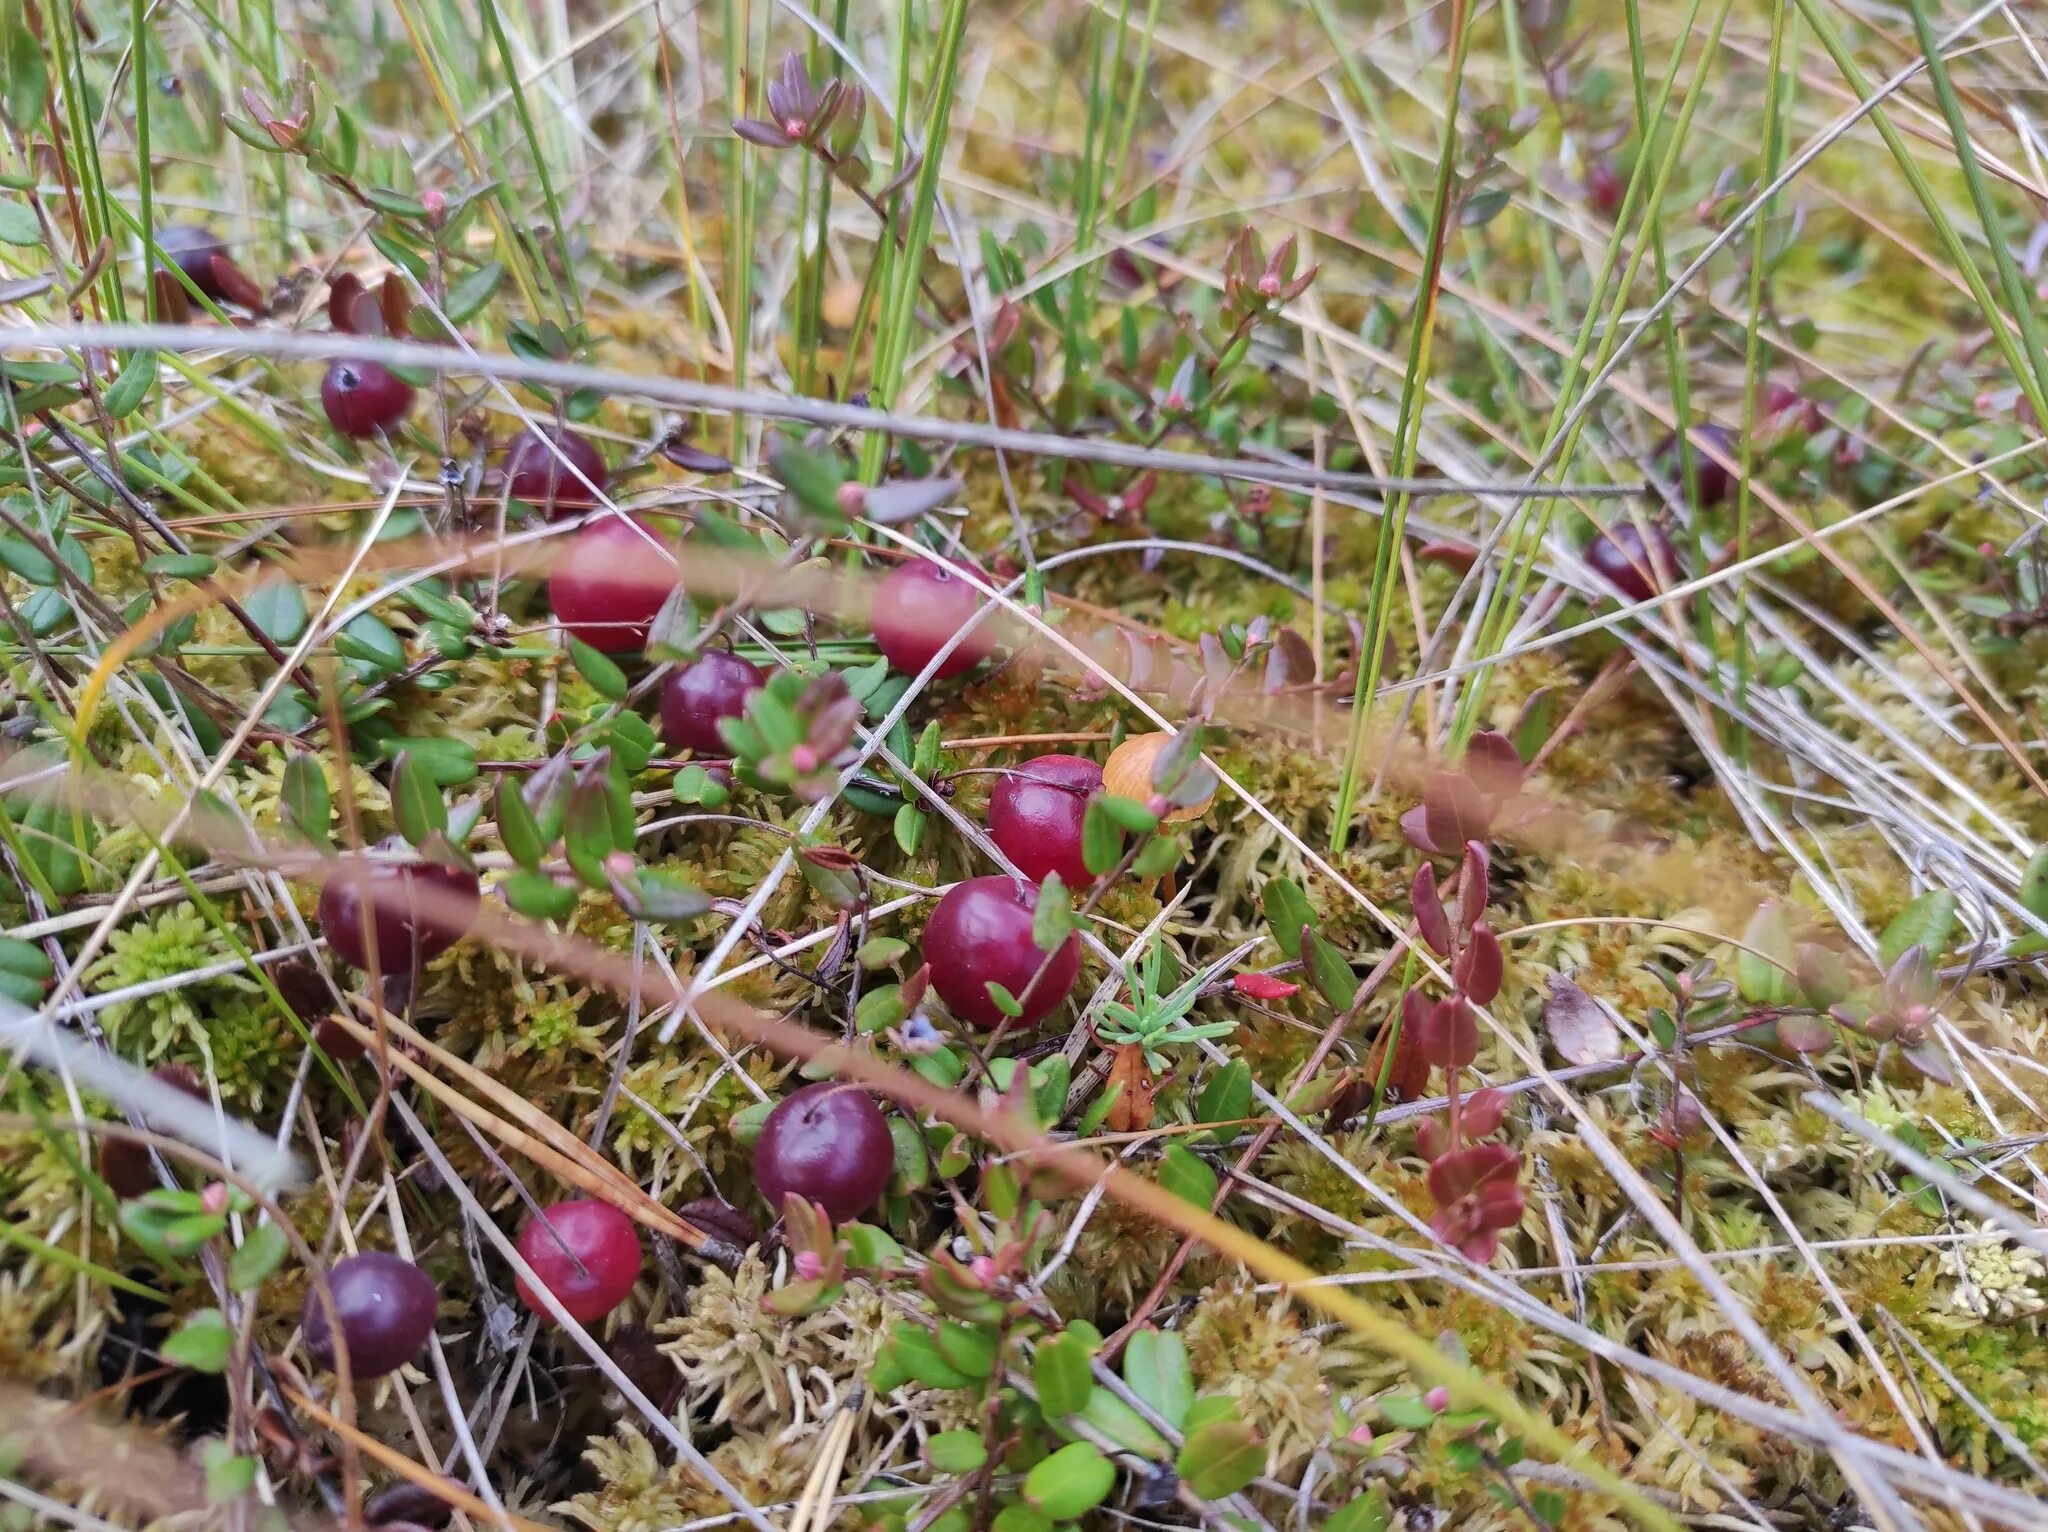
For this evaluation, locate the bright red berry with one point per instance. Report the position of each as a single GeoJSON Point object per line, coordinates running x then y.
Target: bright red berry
{"type": "Point", "coordinates": [420, 910]}
{"type": "Point", "coordinates": [917, 610]}
{"type": "Point", "coordinates": [610, 582]}
{"type": "Point", "coordinates": [595, 1235]}
{"type": "Point", "coordinates": [125, 1165]}
{"type": "Point", "coordinates": [386, 1306]}
{"type": "Point", "coordinates": [1716, 483]}
{"type": "Point", "coordinates": [828, 1143]}
{"type": "Point", "coordinates": [714, 685]}
{"type": "Point", "coordinates": [535, 474]}
{"type": "Point", "coordinates": [362, 398]}
{"type": "Point", "coordinates": [1035, 815]}
{"type": "Point", "coordinates": [1625, 561]}
{"type": "Point", "coordinates": [981, 935]}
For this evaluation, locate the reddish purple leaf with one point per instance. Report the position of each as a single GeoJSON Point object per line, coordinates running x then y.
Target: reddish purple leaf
{"type": "Point", "coordinates": [1480, 966]}
{"type": "Point", "coordinates": [1430, 918]}
{"type": "Point", "coordinates": [1454, 810]}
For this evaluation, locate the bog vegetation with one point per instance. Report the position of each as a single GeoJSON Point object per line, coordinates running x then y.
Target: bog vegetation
{"type": "Point", "coordinates": [947, 767]}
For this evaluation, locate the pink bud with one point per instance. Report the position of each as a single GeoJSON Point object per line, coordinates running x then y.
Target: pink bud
{"type": "Point", "coordinates": [1361, 1436]}
{"type": "Point", "coordinates": [804, 760]}
{"type": "Point", "coordinates": [852, 497]}
{"type": "Point", "coordinates": [983, 1269]}
{"type": "Point", "coordinates": [808, 1265]}
{"type": "Point", "coordinates": [1157, 806]}
{"type": "Point", "coordinates": [1269, 286]}
{"type": "Point", "coordinates": [1438, 1399]}
{"type": "Point", "coordinates": [433, 200]}
{"type": "Point", "coordinates": [215, 1197]}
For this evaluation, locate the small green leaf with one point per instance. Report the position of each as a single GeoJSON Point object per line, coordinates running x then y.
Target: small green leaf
{"type": "Point", "coordinates": [1156, 1367]}
{"type": "Point", "coordinates": [1123, 1425]}
{"type": "Point", "coordinates": [925, 760]}
{"type": "Point", "coordinates": [1927, 923]}
{"type": "Point", "coordinates": [1061, 1374]}
{"type": "Point", "coordinates": [879, 952]}
{"type": "Point", "coordinates": [1161, 854]}
{"type": "Point", "coordinates": [203, 1342]}
{"type": "Point", "coordinates": [1102, 843]}
{"type": "Point", "coordinates": [416, 803]}
{"type": "Point", "coordinates": [909, 828]}
{"type": "Point", "coordinates": [260, 1255]}
{"type": "Point", "coordinates": [305, 801]}
{"type": "Point", "coordinates": [278, 607]}
{"type": "Point", "coordinates": [1227, 1096]}
{"type": "Point", "coordinates": [917, 1354]}
{"type": "Point", "coordinates": [1004, 1001]}
{"type": "Point", "coordinates": [18, 225]}
{"type": "Point", "coordinates": [1220, 1459]}
{"type": "Point", "coordinates": [1070, 1483]}
{"type": "Point", "coordinates": [879, 1009]}
{"type": "Point", "coordinates": [369, 642]}
{"type": "Point", "coordinates": [1758, 978]}
{"type": "Point", "coordinates": [182, 566]}
{"type": "Point", "coordinates": [967, 1348]}
{"type": "Point", "coordinates": [2034, 885]}
{"type": "Point", "coordinates": [1287, 914]}
{"type": "Point", "coordinates": [1364, 1513]}
{"type": "Point", "coordinates": [1187, 1176]}
{"type": "Point", "coordinates": [125, 394]}
{"type": "Point", "coordinates": [517, 827]}
{"type": "Point", "coordinates": [1020, 1518]}
{"type": "Point", "coordinates": [1052, 918]}
{"type": "Point", "coordinates": [605, 677]}
{"type": "Point", "coordinates": [956, 1451]}
{"type": "Point", "coordinates": [446, 762]}
{"type": "Point", "coordinates": [1126, 814]}
{"type": "Point", "coordinates": [1328, 971]}
{"type": "Point", "coordinates": [468, 295]}
{"type": "Point", "coordinates": [26, 559]}
{"type": "Point", "coordinates": [538, 896]}
{"type": "Point", "coordinates": [1408, 1411]}
{"type": "Point", "coordinates": [24, 958]}
{"type": "Point", "coordinates": [229, 1474]}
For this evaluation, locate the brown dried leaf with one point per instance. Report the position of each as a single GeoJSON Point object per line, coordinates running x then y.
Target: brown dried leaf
{"type": "Point", "coordinates": [1580, 1030]}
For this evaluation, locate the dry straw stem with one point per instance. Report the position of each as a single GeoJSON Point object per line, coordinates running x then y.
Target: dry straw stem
{"type": "Point", "coordinates": [719, 399]}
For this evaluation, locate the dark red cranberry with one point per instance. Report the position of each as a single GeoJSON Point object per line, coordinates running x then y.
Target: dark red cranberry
{"type": "Point", "coordinates": [337, 1042]}
{"type": "Point", "coordinates": [830, 1145]}
{"type": "Point", "coordinates": [717, 1217]}
{"type": "Point", "coordinates": [589, 1232]}
{"type": "Point", "coordinates": [917, 610]}
{"type": "Point", "coordinates": [1621, 558]}
{"type": "Point", "coordinates": [610, 582]}
{"type": "Point", "coordinates": [1035, 815]}
{"type": "Point", "coordinates": [1604, 188]}
{"type": "Point", "coordinates": [125, 1165]}
{"type": "Point", "coordinates": [191, 248]}
{"type": "Point", "coordinates": [427, 906]}
{"type": "Point", "coordinates": [980, 935]}
{"type": "Point", "coordinates": [715, 685]}
{"type": "Point", "coordinates": [386, 1306]}
{"type": "Point", "coordinates": [1716, 483]}
{"type": "Point", "coordinates": [408, 1504]}
{"type": "Point", "coordinates": [362, 398]}
{"type": "Point", "coordinates": [534, 473]}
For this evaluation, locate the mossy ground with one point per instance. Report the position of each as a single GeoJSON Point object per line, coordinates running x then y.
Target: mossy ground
{"type": "Point", "coordinates": [1839, 732]}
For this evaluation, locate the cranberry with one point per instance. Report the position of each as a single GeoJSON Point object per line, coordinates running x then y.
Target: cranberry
{"type": "Point", "coordinates": [386, 1306]}
{"type": "Point", "coordinates": [1716, 483]}
{"type": "Point", "coordinates": [715, 685]}
{"type": "Point", "coordinates": [405, 1504]}
{"type": "Point", "coordinates": [1035, 816]}
{"type": "Point", "coordinates": [917, 610]}
{"type": "Point", "coordinates": [1620, 556]}
{"type": "Point", "coordinates": [592, 1233]}
{"type": "Point", "coordinates": [829, 1144]}
{"type": "Point", "coordinates": [609, 584]}
{"type": "Point", "coordinates": [125, 1165]}
{"type": "Point", "coordinates": [1604, 188]}
{"type": "Point", "coordinates": [362, 398]}
{"type": "Point", "coordinates": [981, 934]}
{"type": "Point", "coordinates": [336, 1041]}
{"type": "Point", "coordinates": [534, 474]}
{"type": "Point", "coordinates": [191, 248]}
{"type": "Point", "coordinates": [418, 911]}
